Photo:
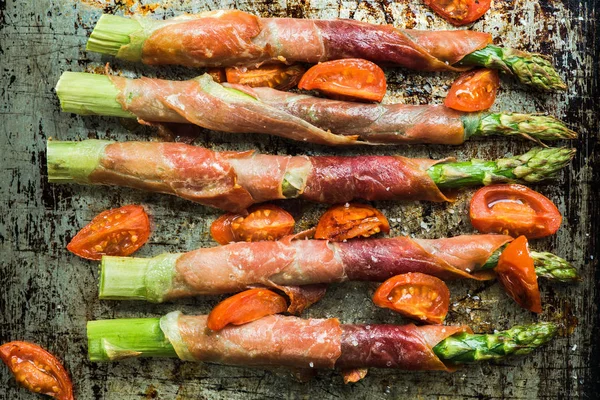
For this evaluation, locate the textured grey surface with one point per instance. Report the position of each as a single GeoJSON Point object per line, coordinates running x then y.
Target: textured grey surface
{"type": "Point", "coordinates": [47, 294]}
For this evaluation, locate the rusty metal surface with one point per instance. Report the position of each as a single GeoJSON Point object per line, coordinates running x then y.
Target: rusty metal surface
{"type": "Point", "coordinates": [47, 295]}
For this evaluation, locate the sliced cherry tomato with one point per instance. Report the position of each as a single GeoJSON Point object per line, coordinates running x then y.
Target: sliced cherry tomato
{"type": "Point", "coordinates": [37, 370]}
{"type": "Point", "coordinates": [116, 232]}
{"type": "Point", "coordinates": [218, 74]}
{"type": "Point", "coordinates": [277, 76]}
{"type": "Point", "coordinates": [245, 307]}
{"type": "Point", "coordinates": [514, 210]}
{"type": "Point", "coordinates": [347, 79]}
{"type": "Point", "coordinates": [415, 295]}
{"type": "Point", "coordinates": [474, 90]}
{"type": "Point", "coordinates": [263, 222]}
{"type": "Point", "coordinates": [354, 375]}
{"type": "Point", "coordinates": [347, 221]}
{"type": "Point", "coordinates": [459, 12]}
{"type": "Point", "coordinates": [516, 272]}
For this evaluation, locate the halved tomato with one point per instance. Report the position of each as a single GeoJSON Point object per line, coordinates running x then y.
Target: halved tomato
{"type": "Point", "coordinates": [347, 79]}
{"type": "Point", "coordinates": [514, 210]}
{"type": "Point", "coordinates": [277, 76]}
{"type": "Point", "coordinates": [415, 295]}
{"type": "Point", "coordinates": [516, 272]}
{"type": "Point", "coordinates": [474, 90]}
{"type": "Point", "coordinates": [37, 370]}
{"type": "Point", "coordinates": [347, 221]}
{"type": "Point", "coordinates": [263, 222]}
{"type": "Point", "coordinates": [245, 307]}
{"type": "Point", "coordinates": [459, 12]}
{"type": "Point", "coordinates": [116, 232]}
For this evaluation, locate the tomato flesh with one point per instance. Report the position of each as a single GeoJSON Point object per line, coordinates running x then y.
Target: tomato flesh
{"type": "Point", "coordinates": [263, 222]}
{"type": "Point", "coordinates": [347, 221]}
{"type": "Point", "coordinates": [459, 12]}
{"type": "Point", "coordinates": [116, 232]}
{"type": "Point", "coordinates": [37, 370]}
{"type": "Point", "coordinates": [516, 272]}
{"type": "Point", "coordinates": [415, 295]}
{"type": "Point", "coordinates": [474, 90]}
{"type": "Point", "coordinates": [245, 307]}
{"type": "Point", "coordinates": [277, 76]}
{"type": "Point", "coordinates": [346, 79]}
{"type": "Point", "coordinates": [514, 210]}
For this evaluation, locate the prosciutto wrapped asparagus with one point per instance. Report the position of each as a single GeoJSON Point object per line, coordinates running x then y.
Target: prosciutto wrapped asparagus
{"type": "Point", "coordinates": [241, 109]}
{"type": "Point", "coordinates": [307, 344]}
{"type": "Point", "coordinates": [292, 263]}
{"type": "Point", "coordinates": [236, 38]}
{"type": "Point", "coordinates": [233, 181]}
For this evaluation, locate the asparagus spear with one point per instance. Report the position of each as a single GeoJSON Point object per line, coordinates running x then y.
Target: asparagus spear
{"type": "Point", "coordinates": [124, 38]}
{"type": "Point", "coordinates": [110, 340]}
{"type": "Point", "coordinates": [92, 94]}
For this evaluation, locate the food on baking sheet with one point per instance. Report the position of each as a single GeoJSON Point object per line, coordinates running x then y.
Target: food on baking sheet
{"type": "Point", "coordinates": [514, 210]}
{"type": "Point", "coordinates": [242, 109]}
{"type": "Point", "coordinates": [37, 370]}
{"type": "Point", "coordinates": [306, 344]}
{"type": "Point", "coordinates": [233, 181]}
{"type": "Point", "coordinates": [350, 220]}
{"type": "Point", "coordinates": [459, 12]}
{"type": "Point", "coordinates": [473, 91]}
{"type": "Point", "coordinates": [234, 38]}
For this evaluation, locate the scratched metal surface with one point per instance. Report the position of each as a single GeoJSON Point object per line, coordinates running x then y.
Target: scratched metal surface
{"type": "Point", "coordinates": [47, 295]}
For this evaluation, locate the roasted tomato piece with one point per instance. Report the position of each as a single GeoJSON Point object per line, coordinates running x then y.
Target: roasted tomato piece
{"type": "Point", "coordinates": [245, 307]}
{"type": "Point", "coordinates": [347, 221]}
{"type": "Point", "coordinates": [459, 12]}
{"type": "Point", "coordinates": [516, 272]}
{"type": "Point", "coordinates": [474, 90]}
{"type": "Point", "coordinates": [116, 232]}
{"type": "Point", "coordinates": [415, 295]}
{"type": "Point", "coordinates": [514, 210]}
{"type": "Point", "coordinates": [276, 76]}
{"type": "Point", "coordinates": [263, 222]}
{"type": "Point", "coordinates": [37, 370]}
{"type": "Point", "coordinates": [347, 79]}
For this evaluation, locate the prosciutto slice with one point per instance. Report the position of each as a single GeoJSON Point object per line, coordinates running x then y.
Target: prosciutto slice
{"type": "Point", "coordinates": [242, 109]}
{"type": "Point", "coordinates": [239, 266]}
{"type": "Point", "coordinates": [307, 343]}
{"type": "Point", "coordinates": [233, 181]}
{"type": "Point", "coordinates": [228, 38]}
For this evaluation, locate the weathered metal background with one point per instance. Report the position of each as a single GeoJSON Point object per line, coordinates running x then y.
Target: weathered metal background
{"type": "Point", "coordinates": [47, 294]}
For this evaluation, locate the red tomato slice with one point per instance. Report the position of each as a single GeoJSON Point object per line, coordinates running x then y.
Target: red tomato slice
{"type": "Point", "coordinates": [117, 232]}
{"type": "Point", "coordinates": [277, 76]}
{"type": "Point", "coordinates": [347, 221]}
{"type": "Point", "coordinates": [263, 222]}
{"type": "Point", "coordinates": [415, 295]}
{"type": "Point", "coordinates": [37, 370]}
{"type": "Point", "coordinates": [347, 79]}
{"type": "Point", "coordinates": [474, 90]}
{"type": "Point", "coordinates": [245, 307]}
{"type": "Point", "coordinates": [514, 210]}
{"type": "Point", "coordinates": [459, 12]}
{"type": "Point", "coordinates": [516, 272]}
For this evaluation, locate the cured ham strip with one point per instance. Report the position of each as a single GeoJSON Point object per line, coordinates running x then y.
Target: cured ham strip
{"type": "Point", "coordinates": [227, 38]}
{"type": "Point", "coordinates": [298, 266]}
{"type": "Point", "coordinates": [233, 181]}
{"type": "Point", "coordinates": [277, 340]}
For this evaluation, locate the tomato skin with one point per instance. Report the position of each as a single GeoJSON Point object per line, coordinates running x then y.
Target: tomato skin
{"type": "Point", "coordinates": [459, 12]}
{"type": "Point", "coordinates": [245, 307]}
{"type": "Point", "coordinates": [116, 232]}
{"type": "Point", "coordinates": [350, 220]}
{"type": "Point", "coordinates": [415, 295]}
{"type": "Point", "coordinates": [263, 222]}
{"type": "Point", "coordinates": [347, 79]}
{"type": "Point", "coordinates": [516, 272]}
{"type": "Point", "coordinates": [513, 210]}
{"type": "Point", "coordinates": [473, 90]}
{"type": "Point", "coordinates": [276, 76]}
{"type": "Point", "coordinates": [37, 370]}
